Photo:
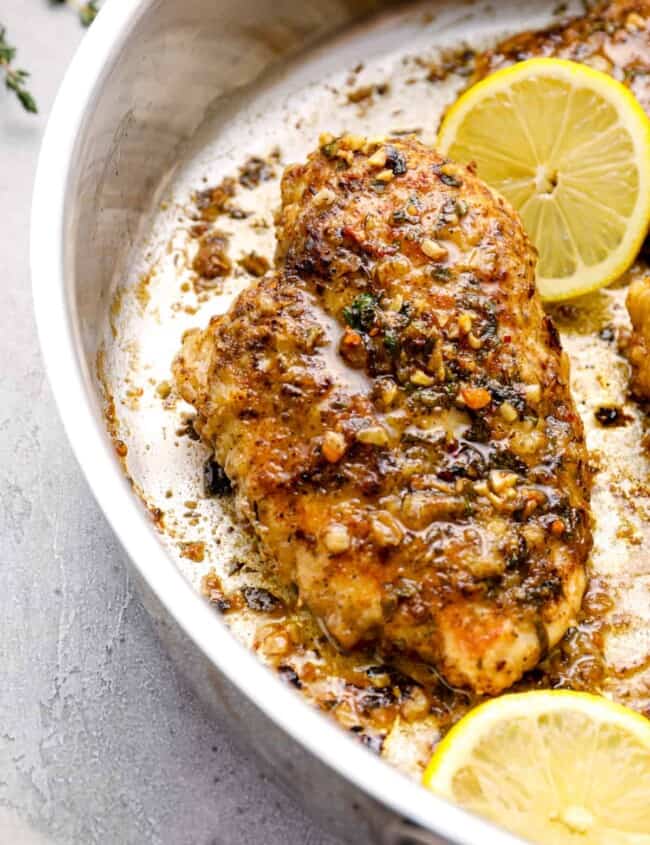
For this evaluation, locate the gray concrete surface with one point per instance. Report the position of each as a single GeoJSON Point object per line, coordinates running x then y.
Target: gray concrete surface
{"type": "Point", "coordinates": [100, 740]}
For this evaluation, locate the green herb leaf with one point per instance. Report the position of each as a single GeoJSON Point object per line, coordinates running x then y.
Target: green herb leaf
{"type": "Point", "coordinates": [440, 272]}
{"type": "Point", "coordinates": [361, 313]}
{"type": "Point", "coordinates": [15, 78]}
{"type": "Point", "coordinates": [88, 12]}
{"type": "Point", "coordinates": [391, 342]}
{"type": "Point", "coordinates": [27, 101]}
{"type": "Point", "coordinates": [451, 181]}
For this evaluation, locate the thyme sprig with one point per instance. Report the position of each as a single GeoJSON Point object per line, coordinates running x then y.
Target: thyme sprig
{"type": "Point", "coordinates": [15, 78]}
{"type": "Point", "coordinates": [87, 11]}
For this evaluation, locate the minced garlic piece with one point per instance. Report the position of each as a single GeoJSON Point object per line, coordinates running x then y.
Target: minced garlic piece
{"type": "Point", "coordinates": [508, 412]}
{"type": "Point", "coordinates": [325, 196]}
{"type": "Point", "coordinates": [389, 393]}
{"type": "Point", "coordinates": [634, 21]}
{"type": "Point", "coordinates": [334, 446]}
{"type": "Point", "coordinates": [502, 480]}
{"type": "Point", "coordinates": [337, 539]}
{"type": "Point", "coordinates": [374, 435]}
{"type": "Point", "coordinates": [352, 142]}
{"type": "Point", "coordinates": [421, 378]}
{"type": "Point", "coordinates": [533, 393]}
{"type": "Point", "coordinates": [386, 530]}
{"type": "Point", "coordinates": [432, 249]}
{"type": "Point", "coordinates": [378, 159]}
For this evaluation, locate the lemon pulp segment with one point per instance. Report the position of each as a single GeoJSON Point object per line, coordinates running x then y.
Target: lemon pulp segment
{"type": "Point", "coordinates": [569, 147]}
{"type": "Point", "coordinates": [555, 767]}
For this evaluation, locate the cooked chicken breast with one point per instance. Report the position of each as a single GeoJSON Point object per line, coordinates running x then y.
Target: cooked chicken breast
{"type": "Point", "coordinates": [393, 409]}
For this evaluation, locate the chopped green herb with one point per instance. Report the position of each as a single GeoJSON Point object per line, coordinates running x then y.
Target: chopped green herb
{"type": "Point", "coordinates": [391, 342]}
{"type": "Point", "coordinates": [451, 181]}
{"type": "Point", "coordinates": [88, 12]}
{"type": "Point", "coordinates": [15, 78]}
{"type": "Point", "coordinates": [440, 272]}
{"type": "Point", "coordinates": [361, 313]}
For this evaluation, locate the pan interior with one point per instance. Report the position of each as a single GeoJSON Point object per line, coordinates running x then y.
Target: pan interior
{"type": "Point", "coordinates": [372, 80]}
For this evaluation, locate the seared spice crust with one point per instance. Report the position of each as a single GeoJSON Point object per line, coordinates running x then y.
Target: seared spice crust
{"type": "Point", "coordinates": [393, 410]}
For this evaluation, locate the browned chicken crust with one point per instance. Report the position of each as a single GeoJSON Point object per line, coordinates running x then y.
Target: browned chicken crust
{"type": "Point", "coordinates": [393, 409]}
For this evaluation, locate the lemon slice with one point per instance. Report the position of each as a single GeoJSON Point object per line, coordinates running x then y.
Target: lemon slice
{"type": "Point", "coordinates": [569, 147]}
{"type": "Point", "coordinates": [555, 767]}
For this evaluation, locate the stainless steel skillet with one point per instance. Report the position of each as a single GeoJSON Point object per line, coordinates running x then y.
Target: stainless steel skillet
{"type": "Point", "coordinates": [137, 91]}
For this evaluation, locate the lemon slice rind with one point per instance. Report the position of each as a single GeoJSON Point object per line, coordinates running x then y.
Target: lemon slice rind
{"type": "Point", "coordinates": [593, 157]}
{"type": "Point", "coordinates": [559, 806]}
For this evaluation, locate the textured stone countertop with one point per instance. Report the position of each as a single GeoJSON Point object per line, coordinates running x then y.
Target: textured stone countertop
{"type": "Point", "coordinates": [100, 740]}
